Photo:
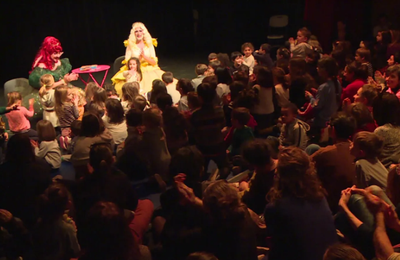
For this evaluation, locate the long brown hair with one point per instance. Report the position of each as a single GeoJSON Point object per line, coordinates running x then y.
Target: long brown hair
{"type": "Point", "coordinates": [13, 97]}
{"type": "Point", "coordinates": [60, 98]}
{"type": "Point", "coordinates": [296, 177]}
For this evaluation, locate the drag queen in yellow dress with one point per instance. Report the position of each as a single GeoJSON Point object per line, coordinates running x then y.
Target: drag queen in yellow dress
{"type": "Point", "coordinates": [140, 45]}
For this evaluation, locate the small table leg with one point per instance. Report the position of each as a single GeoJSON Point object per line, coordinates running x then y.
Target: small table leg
{"type": "Point", "coordinates": [84, 82]}
{"type": "Point", "coordinates": [90, 74]}
{"type": "Point", "coordinates": [104, 78]}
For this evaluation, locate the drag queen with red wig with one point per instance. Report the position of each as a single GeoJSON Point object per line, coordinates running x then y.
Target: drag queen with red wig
{"type": "Point", "coordinates": [47, 61]}
{"type": "Point", "coordinates": [141, 45]}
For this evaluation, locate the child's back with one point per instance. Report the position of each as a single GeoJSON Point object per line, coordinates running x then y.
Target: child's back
{"type": "Point", "coordinates": [240, 136]}
{"type": "Point", "coordinates": [17, 119]}
{"type": "Point", "coordinates": [371, 174]}
{"type": "Point", "coordinates": [294, 134]}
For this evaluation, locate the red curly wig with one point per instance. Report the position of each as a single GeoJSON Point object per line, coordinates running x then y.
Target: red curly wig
{"type": "Point", "coordinates": [49, 46]}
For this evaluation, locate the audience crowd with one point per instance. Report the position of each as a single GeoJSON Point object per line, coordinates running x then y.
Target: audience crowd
{"type": "Point", "coordinates": [306, 146]}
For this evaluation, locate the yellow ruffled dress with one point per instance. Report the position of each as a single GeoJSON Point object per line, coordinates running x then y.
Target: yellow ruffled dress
{"type": "Point", "coordinates": [149, 72]}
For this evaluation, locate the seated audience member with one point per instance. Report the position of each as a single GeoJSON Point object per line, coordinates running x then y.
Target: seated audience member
{"type": "Point", "coordinates": [334, 163]}
{"type": "Point", "coordinates": [23, 179]}
{"type": "Point", "coordinates": [92, 132]}
{"type": "Point", "coordinates": [363, 117]}
{"type": "Point", "coordinates": [176, 129]}
{"type": "Point", "coordinates": [363, 56]}
{"type": "Point", "coordinates": [237, 60]}
{"type": "Point", "coordinates": [184, 86]}
{"type": "Point", "coordinates": [200, 71]}
{"type": "Point", "coordinates": [298, 47]}
{"type": "Point", "coordinates": [130, 91]}
{"type": "Point", "coordinates": [366, 148]}
{"type": "Point", "coordinates": [168, 79]}
{"type": "Point", "coordinates": [154, 144]}
{"type": "Point", "coordinates": [193, 104]}
{"type": "Point", "coordinates": [130, 158]}
{"type": "Point", "coordinates": [224, 80]}
{"type": "Point", "coordinates": [54, 236]}
{"type": "Point", "coordinates": [157, 89]}
{"type": "Point", "coordinates": [282, 59]}
{"type": "Point", "coordinates": [388, 130]}
{"type": "Point", "coordinates": [114, 120]}
{"type": "Point", "coordinates": [164, 101]}
{"type": "Point", "coordinates": [242, 133]}
{"type": "Point", "coordinates": [342, 252]}
{"type": "Point", "coordinates": [393, 80]}
{"type": "Point", "coordinates": [366, 95]}
{"type": "Point", "coordinates": [98, 104]}
{"type": "Point", "coordinates": [293, 130]}
{"type": "Point", "coordinates": [206, 125]}
{"type": "Point", "coordinates": [356, 75]}
{"type": "Point", "coordinates": [103, 219]}
{"type": "Point", "coordinates": [48, 147]}
{"type": "Point", "coordinates": [111, 92]}
{"type": "Point", "coordinates": [212, 57]}
{"type": "Point", "coordinates": [223, 58]}
{"type": "Point", "coordinates": [141, 103]}
{"type": "Point", "coordinates": [263, 56]}
{"type": "Point", "coordinates": [90, 88]}
{"type": "Point", "coordinates": [281, 87]}
{"type": "Point", "coordinates": [248, 58]}
{"type": "Point", "coordinates": [228, 232]}
{"type": "Point", "coordinates": [312, 58]}
{"type": "Point", "coordinates": [298, 215]}
{"type": "Point", "coordinates": [212, 66]}
{"type": "Point", "coordinates": [257, 154]}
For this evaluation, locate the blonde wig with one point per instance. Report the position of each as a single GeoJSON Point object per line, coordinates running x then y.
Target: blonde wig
{"type": "Point", "coordinates": [146, 35]}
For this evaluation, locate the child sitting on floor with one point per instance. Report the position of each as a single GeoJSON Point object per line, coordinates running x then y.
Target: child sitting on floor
{"type": "Point", "coordinates": [46, 94]}
{"type": "Point", "coordinates": [129, 92]}
{"type": "Point", "coordinates": [18, 118]}
{"type": "Point", "coordinates": [54, 236]}
{"type": "Point", "coordinates": [80, 95]}
{"type": "Point", "coordinates": [242, 133]}
{"type": "Point", "coordinates": [98, 105]}
{"type": "Point", "coordinates": [48, 147]}
{"type": "Point", "coordinates": [366, 147]}
{"type": "Point", "coordinates": [171, 85]}
{"type": "Point", "coordinates": [184, 86]}
{"type": "Point", "coordinates": [293, 130]}
{"type": "Point", "coordinates": [111, 92]}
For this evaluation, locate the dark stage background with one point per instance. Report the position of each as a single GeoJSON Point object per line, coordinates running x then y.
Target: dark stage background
{"type": "Point", "coordinates": [93, 32]}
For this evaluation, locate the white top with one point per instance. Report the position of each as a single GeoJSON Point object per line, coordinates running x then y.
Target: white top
{"type": "Point", "coordinates": [125, 106]}
{"type": "Point", "coordinates": [265, 105]}
{"type": "Point", "coordinates": [249, 62]}
{"type": "Point", "coordinates": [50, 151]}
{"type": "Point", "coordinates": [283, 95]}
{"type": "Point", "coordinates": [119, 132]}
{"type": "Point", "coordinates": [371, 174]}
{"type": "Point", "coordinates": [48, 100]}
{"type": "Point", "coordinates": [222, 89]}
{"type": "Point", "coordinates": [183, 104]}
{"type": "Point", "coordinates": [171, 90]}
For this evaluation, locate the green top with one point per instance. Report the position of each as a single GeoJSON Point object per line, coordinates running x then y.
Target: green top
{"type": "Point", "coordinates": [58, 73]}
{"type": "Point", "coordinates": [240, 136]}
{"type": "Point", "coordinates": [3, 110]}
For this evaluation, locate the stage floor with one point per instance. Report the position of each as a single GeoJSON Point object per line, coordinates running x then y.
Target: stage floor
{"type": "Point", "coordinates": [182, 66]}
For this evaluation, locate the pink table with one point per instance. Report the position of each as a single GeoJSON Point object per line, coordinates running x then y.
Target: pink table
{"type": "Point", "coordinates": [99, 68]}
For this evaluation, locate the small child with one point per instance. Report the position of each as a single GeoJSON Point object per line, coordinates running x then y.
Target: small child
{"type": "Point", "coordinates": [171, 85]}
{"type": "Point", "coordinates": [46, 94]}
{"type": "Point", "coordinates": [75, 132]}
{"type": "Point", "coordinates": [134, 73]}
{"type": "Point", "coordinates": [154, 144]}
{"type": "Point", "coordinates": [111, 92]}
{"type": "Point", "coordinates": [129, 92]}
{"type": "Point", "coordinates": [17, 118]}
{"type": "Point", "coordinates": [140, 103]}
{"type": "Point", "coordinates": [80, 95]}
{"type": "Point", "coordinates": [193, 104]}
{"type": "Point", "coordinates": [299, 49]}
{"type": "Point", "coordinates": [366, 95]}
{"type": "Point", "coordinates": [258, 154]}
{"type": "Point", "coordinates": [200, 70]}
{"type": "Point", "coordinates": [114, 120]}
{"type": "Point", "coordinates": [248, 59]}
{"type": "Point", "coordinates": [293, 130]}
{"type": "Point", "coordinates": [54, 236]}
{"type": "Point", "coordinates": [66, 107]}
{"type": "Point", "coordinates": [48, 146]}
{"type": "Point", "coordinates": [90, 88]}
{"type": "Point", "coordinates": [263, 57]}
{"type": "Point", "coordinates": [363, 56]}
{"type": "Point", "coordinates": [242, 133]}
{"type": "Point", "coordinates": [212, 57]}
{"type": "Point", "coordinates": [184, 86]}
{"type": "Point", "coordinates": [98, 105]}
{"type": "Point", "coordinates": [237, 59]}
{"type": "Point", "coordinates": [366, 147]}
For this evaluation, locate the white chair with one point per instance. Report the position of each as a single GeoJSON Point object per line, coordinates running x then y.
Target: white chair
{"type": "Point", "coordinates": [277, 28]}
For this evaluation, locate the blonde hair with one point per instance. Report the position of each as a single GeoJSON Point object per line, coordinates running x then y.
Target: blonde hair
{"type": "Point", "coordinates": [46, 82]}
{"type": "Point", "coordinates": [130, 91]}
{"type": "Point", "coordinates": [60, 98]}
{"type": "Point", "coordinates": [146, 35]}
{"type": "Point", "coordinates": [81, 94]}
{"type": "Point", "coordinates": [13, 97]}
